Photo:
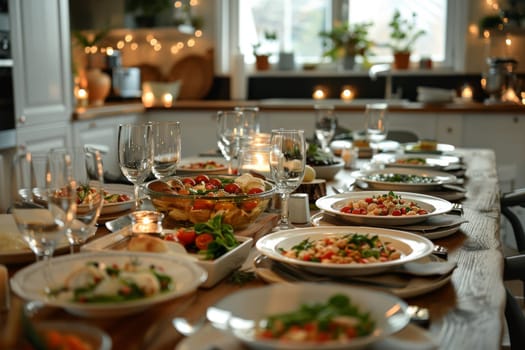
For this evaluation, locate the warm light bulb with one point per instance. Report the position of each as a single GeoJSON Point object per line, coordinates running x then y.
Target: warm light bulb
{"type": "Point", "coordinates": [347, 94]}
{"type": "Point", "coordinates": [467, 93]}
{"type": "Point", "coordinates": [319, 93]}
{"type": "Point", "coordinates": [167, 99]}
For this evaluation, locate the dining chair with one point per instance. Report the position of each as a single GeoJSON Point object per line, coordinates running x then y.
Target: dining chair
{"type": "Point", "coordinates": [507, 202]}
{"type": "Point", "coordinates": [514, 269]}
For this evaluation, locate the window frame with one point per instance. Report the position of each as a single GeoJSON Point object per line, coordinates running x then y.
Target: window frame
{"type": "Point", "coordinates": [227, 29]}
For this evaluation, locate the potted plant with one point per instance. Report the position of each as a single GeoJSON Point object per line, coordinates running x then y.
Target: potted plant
{"type": "Point", "coordinates": [403, 35]}
{"type": "Point", "coordinates": [347, 41]}
{"type": "Point", "coordinates": [262, 58]}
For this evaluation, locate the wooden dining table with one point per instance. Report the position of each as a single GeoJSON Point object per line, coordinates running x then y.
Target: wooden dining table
{"type": "Point", "coordinates": [466, 313]}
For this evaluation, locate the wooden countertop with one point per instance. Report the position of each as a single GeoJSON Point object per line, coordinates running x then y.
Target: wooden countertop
{"type": "Point", "coordinates": [466, 313]}
{"type": "Point", "coordinates": [119, 108]}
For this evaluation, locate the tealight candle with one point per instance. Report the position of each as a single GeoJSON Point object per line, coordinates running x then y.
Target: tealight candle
{"type": "Point", "coordinates": [319, 93]}
{"type": "Point", "coordinates": [82, 98]}
{"type": "Point", "coordinates": [148, 99]}
{"type": "Point", "coordinates": [146, 222]}
{"type": "Point", "coordinates": [167, 99]}
{"type": "Point", "coordinates": [347, 94]}
{"type": "Point", "coordinates": [467, 93]}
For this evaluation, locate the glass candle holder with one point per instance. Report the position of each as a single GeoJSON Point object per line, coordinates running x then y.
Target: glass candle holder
{"type": "Point", "coordinates": [146, 222]}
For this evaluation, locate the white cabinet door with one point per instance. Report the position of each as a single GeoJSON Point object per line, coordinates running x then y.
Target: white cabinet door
{"type": "Point", "coordinates": [41, 61]}
{"type": "Point", "coordinates": [44, 137]}
{"type": "Point", "coordinates": [103, 135]}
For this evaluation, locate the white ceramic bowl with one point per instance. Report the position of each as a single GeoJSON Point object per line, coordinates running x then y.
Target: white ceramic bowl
{"type": "Point", "coordinates": [328, 172]}
{"type": "Point", "coordinates": [239, 313]}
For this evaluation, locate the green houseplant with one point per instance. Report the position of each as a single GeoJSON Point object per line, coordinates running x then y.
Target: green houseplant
{"type": "Point", "coordinates": [347, 41]}
{"type": "Point", "coordinates": [262, 58]}
{"type": "Point", "coordinates": [403, 35]}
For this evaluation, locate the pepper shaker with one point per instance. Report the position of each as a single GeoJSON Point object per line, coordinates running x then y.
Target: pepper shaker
{"type": "Point", "coordinates": [299, 208]}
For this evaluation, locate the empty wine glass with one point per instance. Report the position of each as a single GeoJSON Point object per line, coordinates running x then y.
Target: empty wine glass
{"type": "Point", "coordinates": [325, 125]}
{"type": "Point", "coordinates": [89, 176]}
{"type": "Point", "coordinates": [287, 162]}
{"type": "Point", "coordinates": [229, 132]}
{"type": "Point", "coordinates": [375, 124]}
{"type": "Point", "coordinates": [251, 119]}
{"type": "Point", "coordinates": [166, 148]}
{"type": "Point", "coordinates": [135, 154]}
{"type": "Point", "coordinates": [43, 214]}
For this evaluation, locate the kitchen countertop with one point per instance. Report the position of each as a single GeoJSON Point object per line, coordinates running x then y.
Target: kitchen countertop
{"type": "Point", "coordinates": [118, 108]}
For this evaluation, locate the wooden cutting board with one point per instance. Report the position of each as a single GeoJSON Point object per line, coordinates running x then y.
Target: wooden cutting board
{"type": "Point", "coordinates": [196, 75]}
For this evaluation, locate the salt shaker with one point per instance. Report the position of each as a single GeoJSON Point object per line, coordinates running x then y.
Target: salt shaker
{"type": "Point", "coordinates": [299, 208]}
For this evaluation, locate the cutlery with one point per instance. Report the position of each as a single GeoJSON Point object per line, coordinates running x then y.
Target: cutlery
{"type": "Point", "coordinates": [184, 327]}
{"type": "Point", "coordinates": [457, 209]}
{"type": "Point", "coordinates": [452, 187]}
{"type": "Point", "coordinates": [118, 223]}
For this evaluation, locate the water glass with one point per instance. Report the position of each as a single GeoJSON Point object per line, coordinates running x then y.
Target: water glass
{"type": "Point", "coordinates": [325, 125]}
{"type": "Point", "coordinates": [135, 154]}
{"type": "Point", "coordinates": [166, 148]}
{"type": "Point", "coordinates": [375, 123]}
{"type": "Point", "coordinates": [230, 130]}
{"type": "Point", "coordinates": [287, 163]}
{"type": "Point", "coordinates": [88, 173]}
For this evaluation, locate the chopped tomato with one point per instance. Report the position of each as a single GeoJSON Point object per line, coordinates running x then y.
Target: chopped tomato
{"type": "Point", "coordinates": [396, 212]}
{"type": "Point", "coordinates": [202, 240]}
{"type": "Point", "coordinates": [202, 178]}
{"type": "Point", "coordinates": [186, 237]}
{"type": "Point", "coordinates": [170, 237]}
{"type": "Point", "coordinates": [210, 187]}
{"type": "Point", "coordinates": [356, 211]}
{"type": "Point", "coordinates": [250, 205]}
{"type": "Point", "coordinates": [232, 188]}
{"type": "Point", "coordinates": [199, 204]}
{"type": "Point", "coordinates": [351, 332]}
{"type": "Point", "coordinates": [422, 212]}
{"type": "Point", "coordinates": [347, 210]}
{"type": "Point", "coordinates": [327, 255]}
{"type": "Point", "coordinates": [255, 190]}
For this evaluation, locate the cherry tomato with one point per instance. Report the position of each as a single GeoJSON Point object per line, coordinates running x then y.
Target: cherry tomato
{"type": "Point", "coordinates": [188, 181]}
{"type": "Point", "coordinates": [356, 211]}
{"type": "Point", "coordinates": [422, 212]}
{"type": "Point", "coordinates": [186, 237]}
{"type": "Point", "coordinates": [396, 212]}
{"type": "Point", "coordinates": [199, 204]}
{"type": "Point", "coordinates": [202, 178]}
{"type": "Point", "coordinates": [347, 210]}
{"type": "Point", "coordinates": [250, 205]}
{"type": "Point", "coordinates": [232, 188]}
{"type": "Point", "coordinates": [170, 237]}
{"type": "Point", "coordinates": [255, 190]}
{"type": "Point", "coordinates": [216, 182]}
{"type": "Point", "coordinates": [210, 187]}
{"type": "Point", "coordinates": [202, 241]}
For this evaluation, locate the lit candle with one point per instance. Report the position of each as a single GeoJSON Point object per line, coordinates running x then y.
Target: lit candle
{"type": "Point", "coordinates": [167, 99]}
{"type": "Point", "coordinates": [146, 222]}
{"type": "Point", "coordinates": [82, 98]}
{"type": "Point", "coordinates": [319, 93]}
{"type": "Point", "coordinates": [347, 94]}
{"type": "Point", "coordinates": [148, 99]}
{"type": "Point", "coordinates": [466, 93]}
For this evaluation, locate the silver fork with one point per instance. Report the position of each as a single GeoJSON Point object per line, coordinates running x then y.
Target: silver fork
{"type": "Point", "coordinates": [457, 208]}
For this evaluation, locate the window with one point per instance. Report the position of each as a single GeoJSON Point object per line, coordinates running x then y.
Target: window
{"type": "Point", "coordinates": [297, 24]}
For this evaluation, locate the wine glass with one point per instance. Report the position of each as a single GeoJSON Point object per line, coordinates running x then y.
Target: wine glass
{"type": "Point", "coordinates": [229, 132]}
{"type": "Point", "coordinates": [166, 148]}
{"type": "Point", "coordinates": [287, 162]}
{"type": "Point", "coordinates": [251, 119]}
{"type": "Point", "coordinates": [135, 154]}
{"type": "Point", "coordinates": [325, 125]}
{"type": "Point", "coordinates": [89, 176]}
{"type": "Point", "coordinates": [44, 213]}
{"type": "Point", "coordinates": [375, 124]}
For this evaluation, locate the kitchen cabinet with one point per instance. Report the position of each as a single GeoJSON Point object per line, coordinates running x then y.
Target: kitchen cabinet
{"type": "Point", "coordinates": [102, 134]}
{"type": "Point", "coordinates": [41, 72]}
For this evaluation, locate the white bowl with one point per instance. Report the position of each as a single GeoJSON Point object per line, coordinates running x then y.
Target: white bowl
{"type": "Point", "coordinates": [328, 172]}
{"type": "Point", "coordinates": [239, 313]}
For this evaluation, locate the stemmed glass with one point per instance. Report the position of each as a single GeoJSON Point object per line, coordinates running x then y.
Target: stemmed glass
{"type": "Point", "coordinates": [230, 130]}
{"type": "Point", "coordinates": [325, 125]}
{"type": "Point", "coordinates": [44, 200]}
{"type": "Point", "coordinates": [135, 154]}
{"type": "Point", "coordinates": [287, 162]}
{"type": "Point", "coordinates": [89, 176]}
{"type": "Point", "coordinates": [375, 124]}
{"type": "Point", "coordinates": [166, 148]}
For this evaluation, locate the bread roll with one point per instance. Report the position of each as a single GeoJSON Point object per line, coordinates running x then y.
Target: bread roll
{"type": "Point", "coordinates": [145, 243]}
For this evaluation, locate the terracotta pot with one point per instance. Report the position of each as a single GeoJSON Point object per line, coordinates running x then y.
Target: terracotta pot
{"type": "Point", "coordinates": [262, 62]}
{"type": "Point", "coordinates": [401, 60]}
{"type": "Point", "coordinates": [99, 85]}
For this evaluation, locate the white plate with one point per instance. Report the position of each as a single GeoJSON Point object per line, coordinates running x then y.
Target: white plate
{"type": "Point", "coordinates": [415, 286]}
{"type": "Point", "coordinates": [216, 269]}
{"type": "Point", "coordinates": [333, 204]}
{"type": "Point", "coordinates": [112, 208]}
{"type": "Point", "coordinates": [438, 179]}
{"type": "Point", "coordinates": [411, 337]}
{"type": "Point", "coordinates": [324, 219]}
{"type": "Point", "coordinates": [412, 247]}
{"type": "Point", "coordinates": [183, 171]}
{"type": "Point", "coordinates": [240, 312]}
{"type": "Point", "coordinates": [13, 248]}
{"type": "Point", "coordinates": [327, 172]}
{"type": "Point", "coordinates": [30, 282]}
{"type": "Point", "coordinates": [432, 161]}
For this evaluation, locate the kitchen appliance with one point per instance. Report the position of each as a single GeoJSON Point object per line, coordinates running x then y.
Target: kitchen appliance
{"type": "Point", "coordinates": [501, 77]}
{"type": "Point", "coordinates": [125, 81]}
